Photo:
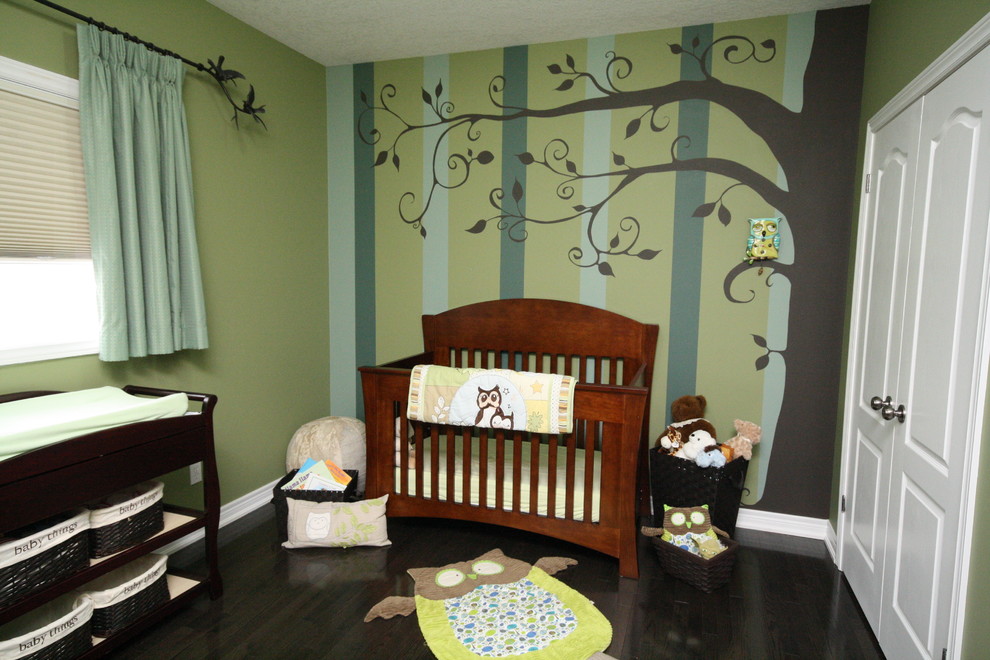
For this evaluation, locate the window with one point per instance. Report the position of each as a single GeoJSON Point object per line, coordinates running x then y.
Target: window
{"type": "Point", "coordinates": [48, 306]}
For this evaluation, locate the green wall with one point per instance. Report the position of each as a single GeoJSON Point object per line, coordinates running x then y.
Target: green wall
{"type": "Point", "coordinates": [261, 205]}
{"type": "Point", "coordinates": [579, 171]}
{"type": "Point", "coordinates": [905, 36]}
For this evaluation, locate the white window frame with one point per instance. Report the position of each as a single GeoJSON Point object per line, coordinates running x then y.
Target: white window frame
{"type": "Point", "coordinates": [55, 88]}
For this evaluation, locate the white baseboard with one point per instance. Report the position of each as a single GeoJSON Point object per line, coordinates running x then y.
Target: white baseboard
{"type": "Point", "coordinates": [228, 513]}
{"type": "Point", "coordinates": [784, 523]}
{"type": "Point", "coordinates": [832, 542]}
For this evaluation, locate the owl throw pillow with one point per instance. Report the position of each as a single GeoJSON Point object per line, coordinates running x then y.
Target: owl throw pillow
{"type": "Point", "coordinates": [336, 524]}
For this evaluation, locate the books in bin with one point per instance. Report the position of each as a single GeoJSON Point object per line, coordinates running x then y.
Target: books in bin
{"type": "Point", "coordinates": [319, 475]}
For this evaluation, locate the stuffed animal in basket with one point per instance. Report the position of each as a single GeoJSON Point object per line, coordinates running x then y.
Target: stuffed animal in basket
{"type": "Point", "coordinates": [689, 528]}
{"type": "Point", "coordinates": [747, 435]}
{"type": "Point", "coordinates": [688, 415]}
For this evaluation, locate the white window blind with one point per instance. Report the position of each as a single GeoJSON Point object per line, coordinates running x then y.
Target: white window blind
{"type": "Point", "coordinates": [42, 191]}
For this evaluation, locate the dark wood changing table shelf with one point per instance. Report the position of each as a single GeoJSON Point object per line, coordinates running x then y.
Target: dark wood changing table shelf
{"type": "Point", "coordinates": [63, 476]}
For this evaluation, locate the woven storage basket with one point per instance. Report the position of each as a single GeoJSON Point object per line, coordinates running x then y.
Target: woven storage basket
{"type": "Point", "coordinates": [125, 518]}
{"type": "Point", "coordinates": [58, 630]}
{"type": "Point", "coordinates": [128, 593]}
{"type": "Point", "coordinates": [34, 557]}
{"type": "Point", "coordinates": [678, 482]}
{"type": "Point", "coordinates": [282, 507]}
{"type": "Point", "coordinates": [701, 573]}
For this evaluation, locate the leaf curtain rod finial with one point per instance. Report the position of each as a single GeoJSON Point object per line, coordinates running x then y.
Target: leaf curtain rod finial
{"type": "Point", "coordinates": [221, 75]}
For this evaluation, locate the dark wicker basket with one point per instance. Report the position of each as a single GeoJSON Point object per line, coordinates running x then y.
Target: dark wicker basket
{"type": "Point", "coordinates": [678, 482]}
{"type": "Point", "coordinates": [34, 573]}
{"type": "Point", "coordinates": [108, 620]}
{"type": "Point", "coordinates": [701, 573]}
{"type": "Point", "coordinates": [72, 645]}
{"type": "Point", "coordinates": [282, 507]}
{"type": "Point", "coordinates": [127, 532]}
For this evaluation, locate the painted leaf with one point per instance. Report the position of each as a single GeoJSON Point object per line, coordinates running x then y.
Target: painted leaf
{"type": "Point", "coordinates": [554, 68]}
{"type": "Point", "coordinates": [614, 243]}
{"type": "Point", "coordinates": [485, 157]}
{"type": "Point", "coordinates": [632, 127]}
{"type": "Point", "coordinates": [704, 210]}
{"type": "Point", "coordinates": [769, 44]}
{"type": "Point", "coordinates": [382, 157]}
{"type": "Point", "coordinates": [762, 362]}
{"type": "Point", "coordinates": [724, 216]}
{"type": "Point", "coordinates": [566, 85]}
{"type": "Point", "coordinates": [525, 158]}
{"type": "Point", "coordinates": [364, 97]}
{"type": "Point", "coordinates": [647, 254]}
{"type": "Point", "coordinates": [695, 42]}
{"type": "Point", "coordinates": [617, 159]}
{"type": "Point", "coordinates": [571, 167]}
{"type": "Point", "coordinates": [570, 61]}
{"type": "Point", "coordinates": [580, 207]}
{"type": "Point", "coordinates": [676, 49]}
{"type": "Point", "coordinates": [517, 190]}
{"type": "Point", "coordinates": [439, 89]}
{"type": "Point", "coordinates": [395, 160]}
{"type": "Point", "coordinates": [605, 269]}
{"type": "Point", "coordinates": [760, 341]}
{"type": "Point", "coordinates": [422, 231]}
{"type": "Point", "coordinates": [427, 99]}
{"type": "Point", "coordinates": [478, 227]}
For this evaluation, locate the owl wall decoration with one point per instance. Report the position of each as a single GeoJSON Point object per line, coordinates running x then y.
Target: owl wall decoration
{"type": "Point", "coordinates": [764, 240]}
{"type": "Point", "coordinates": [495, 606]}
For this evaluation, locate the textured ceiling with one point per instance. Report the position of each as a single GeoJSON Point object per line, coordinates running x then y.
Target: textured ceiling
{"type": "Point", "coordinates": [351, 31]}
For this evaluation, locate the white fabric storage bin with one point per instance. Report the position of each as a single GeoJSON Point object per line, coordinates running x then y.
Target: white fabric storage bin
{"type": "Point", "coordinates": [125, 518]}
{"type": "Point", "coordinates": [36, 556]}
{"type": "Point", "coordinates": [124, 595]}
{"type": "Point", "coordinates": [59, 628]}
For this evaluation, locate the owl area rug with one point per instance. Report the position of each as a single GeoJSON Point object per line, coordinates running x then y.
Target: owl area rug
{"type": "Point", "coordinates": [498, 607]}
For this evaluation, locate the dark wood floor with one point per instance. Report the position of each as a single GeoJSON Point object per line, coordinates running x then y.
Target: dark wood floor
{"type": "Point", "coordinates": [785, 598]}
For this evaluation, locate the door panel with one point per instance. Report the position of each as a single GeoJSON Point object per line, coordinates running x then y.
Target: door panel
{"type": "Point", "coordinates": [938, 380]}
{"type": "Point", "coordinates": [877, 362]}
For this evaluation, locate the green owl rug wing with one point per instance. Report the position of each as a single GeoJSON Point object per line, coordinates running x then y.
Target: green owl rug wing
{"type": "Point", "coordinates": [498, 607]}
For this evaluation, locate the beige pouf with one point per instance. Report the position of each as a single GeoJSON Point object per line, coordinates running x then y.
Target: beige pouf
{"type": "Point", "coordinates": [337, 439]}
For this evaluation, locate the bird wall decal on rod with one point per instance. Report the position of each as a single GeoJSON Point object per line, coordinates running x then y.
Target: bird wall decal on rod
{"type": "Point", "coordinates": [224, 77]}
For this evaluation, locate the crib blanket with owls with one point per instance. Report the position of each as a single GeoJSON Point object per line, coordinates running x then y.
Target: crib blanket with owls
{"type": "Point", "coordinates": [492, 398]}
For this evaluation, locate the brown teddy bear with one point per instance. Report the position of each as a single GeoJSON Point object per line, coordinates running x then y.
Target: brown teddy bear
{"type": "Point", "coordinates": [747, 435]}
{"type": "Point", "coordinates": [688, 415]}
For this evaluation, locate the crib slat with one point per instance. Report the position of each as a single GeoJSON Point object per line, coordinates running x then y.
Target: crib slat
{"type": "Point", "coordinates": [534, 474]}
{"type": "Point", "coordinates": [466, 472]}
{"type": "Point", "coordinates": [516, 470]}
{"type": "Point", "coordinates": [598, 368]}
{"type": "Point", "coordinates": [418, 465]}
{"type": "Point", "coordinates": [449, 468]}
{"type": "Point", "coordinates": [589, 470]}
{"type": "Point", "coordinates": [434, 465]}
{"type": "Point", "coordinates": [569, 476]}
{"type": "Point", "coordinates": [402, 449]}
{"type": "Point", "coordinates": [552, 476]}
{"type": "Point", "coordinates": [499, 470]}
{"type": "Point", "coordinates": [483, 468]}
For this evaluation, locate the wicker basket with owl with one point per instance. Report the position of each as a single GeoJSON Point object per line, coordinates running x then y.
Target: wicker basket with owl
{"type": "Point", "coordinates": [497, 606]}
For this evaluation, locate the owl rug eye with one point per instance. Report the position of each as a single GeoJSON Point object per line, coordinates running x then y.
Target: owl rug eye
{"type": "Point", "coordinates": [497, 606]}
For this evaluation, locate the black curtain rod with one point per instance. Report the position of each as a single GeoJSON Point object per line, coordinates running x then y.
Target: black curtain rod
{"type": "Point", "coordinates": [216, 70]}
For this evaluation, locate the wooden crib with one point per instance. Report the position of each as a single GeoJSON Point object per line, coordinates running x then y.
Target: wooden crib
{"type": "Point", "coordinates": [583, 486]}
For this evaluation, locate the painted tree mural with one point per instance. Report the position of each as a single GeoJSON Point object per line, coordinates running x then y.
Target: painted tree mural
{"type": "Point", "coordinates": [813, 195]}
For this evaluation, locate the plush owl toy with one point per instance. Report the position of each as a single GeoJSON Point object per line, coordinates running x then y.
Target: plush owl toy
{"type": "Point", "coordinates": [689, 528]}
{"type": "Point", "coordinates": [764, 240]}
{"type": "Point", "coordinates": [496, 606]}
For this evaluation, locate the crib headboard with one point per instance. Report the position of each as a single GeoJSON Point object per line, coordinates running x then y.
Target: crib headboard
{"type": "Point", "coordinates": [550, 336]}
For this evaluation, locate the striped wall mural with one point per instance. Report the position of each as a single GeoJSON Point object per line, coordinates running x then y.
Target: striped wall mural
{"type": "Point", "coordinates": [562, 170]}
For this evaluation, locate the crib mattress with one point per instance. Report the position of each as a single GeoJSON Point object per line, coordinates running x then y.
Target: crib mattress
{"type": "Point", "coordinates": [507, 481]}
{"type": "Point", "coordinates": [28, 424]}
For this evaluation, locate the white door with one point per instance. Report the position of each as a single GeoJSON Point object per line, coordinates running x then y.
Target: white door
{"type": "Point", "coordinates": [884, 251]}
{"type": "Point", "coordinates": [919, 338]}
{"type": "Point", "coordinates": [941, 372]}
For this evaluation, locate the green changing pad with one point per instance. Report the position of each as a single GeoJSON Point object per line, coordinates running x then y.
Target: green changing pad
{"type": "Point", "coordinates": [28, 424]}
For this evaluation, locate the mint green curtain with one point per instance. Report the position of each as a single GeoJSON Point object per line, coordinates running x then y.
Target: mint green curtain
{"type": "Point", "coordinates": [139, 184]}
